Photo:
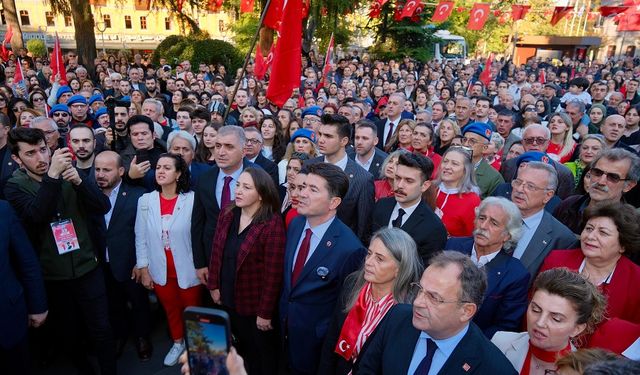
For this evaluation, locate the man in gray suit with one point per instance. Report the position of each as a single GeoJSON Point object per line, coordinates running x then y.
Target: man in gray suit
{"type": "Point", "coordinates": [533, 187]}
{"type": "Point", "coordinates": [357, 206]}
{"type": "Point", "coordinates": [365, 153]}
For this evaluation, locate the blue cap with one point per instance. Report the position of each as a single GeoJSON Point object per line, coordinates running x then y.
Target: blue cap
{"type": "Point", "coordinates": [305, 133]}
{"type": "Point", "coordinates": [59, 108]}
{"type": "Point", "coordinates": [76, 99]}
{"type": "Point", "coordinates": [101, 111]}
{"type": "Point", "coordinates": [96, 98]}
{"type": "Point", "coordinates": [479, 128]}
{"type": "Point", "coordinates": [313, 110]}
{"type": "Point", "coordinates": [63, 90]}
{"type": "Point", "coordinates": [533, 156]}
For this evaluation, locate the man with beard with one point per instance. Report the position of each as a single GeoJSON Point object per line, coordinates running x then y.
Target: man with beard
{"type": "Point", "coordinates": [121, 132]}
{"type": "Point", "coordinates": [365, 152]}
{"type": "Point", "coordinates": [83, 144]}
{"type": "Point", "coordinates": [153, 91]}
{"type": "Point", "coordinates": [61, 114]}
{"type": "Point", "coordinates": [142, 154]}
{"type": "Point", "coordinates": [80, 111]}
{"type": "Point", "coordinates": [53, 200]}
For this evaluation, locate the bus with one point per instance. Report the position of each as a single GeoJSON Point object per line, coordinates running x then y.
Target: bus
{"type": "Point", "coordinates": [450, 47]}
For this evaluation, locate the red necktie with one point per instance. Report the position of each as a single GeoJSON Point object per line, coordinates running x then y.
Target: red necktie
{"type": "Point", "coordinates": [225, 199]}
{"type": "Point", "coordinates": [389, 134]}
{"type": "Point", "coordinates": [303, 252]}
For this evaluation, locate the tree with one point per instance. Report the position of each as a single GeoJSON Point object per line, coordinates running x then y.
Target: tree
{"type": "Point", "coordinates": [9, 7]}
{"type": "Point", "coordinates": [37, 48]}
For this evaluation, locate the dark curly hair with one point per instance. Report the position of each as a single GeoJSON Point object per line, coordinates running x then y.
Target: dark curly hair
{"type": "Point", "coordinates": [184, 181]}
{"type": "Point", "coordinates": [626, 219]}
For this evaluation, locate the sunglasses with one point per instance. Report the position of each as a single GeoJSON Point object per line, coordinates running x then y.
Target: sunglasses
{"type": "Point", "coordinates": [535, 140]}
{"type": "Point", "coordinates": [614, 178]}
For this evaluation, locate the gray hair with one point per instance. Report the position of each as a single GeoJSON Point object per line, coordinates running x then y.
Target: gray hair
{"type": "Point", "coordinates": [48, 120]}
{"type": "Point", "coordinates": [514, 222]}
{"type": "Point", "coordinates": [577, 104]}
{"type": "Point", "coordinates": [497, 140]}
{"type": "Point", "coordinates": [597, 137]}
{"type": "Point", "coordinates": [552, 174]}
{"type": "Point", "coordinates": [184, 135]}
{"type": "Point", "coordinates": [156, 102]}
{"type": "Point", "coordinates": [404, 251]}
{"type": "Point", "coordinates": [253, 129]}
{"type": "Point", "coordinates": [468, 183]}
{"type": "Point", "coordinates": [618, 94]}
{"type": "Point", "coordinates": [157, 130]}
{"type": "Point", "coordinates": [234, 130]}
{"type": "Point", "coordinates": [399, 95]}
{"type": "Point", "coordinates": [546, 130]}
{"type": "Point", "coordinates": [396, 154]}
{"type": "Point", "coordinates": [618, 154]}
{"type": "Point", "coordinates": [473, 280]}
{"type": "Point", "coordinates": [81, 69]}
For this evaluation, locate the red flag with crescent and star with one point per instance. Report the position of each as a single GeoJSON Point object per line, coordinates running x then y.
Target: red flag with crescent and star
{"type": "Point", "coordinates": [328, 63]}
{"type": "Point", "coordinates": [410, 8]}
{"type": "Point", "coordinates": [478, 16]}
{"type": "Point", "coordinates": [442, 11]}
{"type": "Point", "coordinates": [246, 6]}
{"type": "Point", "coordinates": [485, 76]}
{"type": "Point", "coordinates": [274, 14]}
{"type": "Point", "coordinates": [260, 67]}
{"type": "Point", "coordinates": [559, 13]}
{"type": "Point", "coordinates": [57, 63]}
{"type": "Point", "coordinates": [519, 11]}
{"type": "Point", "coordinates": [630, 20]}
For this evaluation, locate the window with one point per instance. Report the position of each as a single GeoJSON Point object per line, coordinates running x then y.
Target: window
{"type": "Point", "coordinates": [50, 19]}
{"type": "Point", "coordinates": [4, 21]}
{"type": "Point", "coordinates": [127, 22]}
{"type": "Point", "coordinates": [68, 21]}
{"type": "Point", "coordinates": [631, 51]}
{"type": "Point", "coordinates": [221, 26]}
{"type": "Point", "coordinates": [24, 18]}
{"type": "Point", "coordinates": [107, 21]}
{"type": "Point", "coordinates": [167, 23]}
{"type": "Point", "coordinates": [143, 22]}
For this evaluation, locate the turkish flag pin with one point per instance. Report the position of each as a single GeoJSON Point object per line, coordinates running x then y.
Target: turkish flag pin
{"type": "Point", "coordinates": [466, 367]}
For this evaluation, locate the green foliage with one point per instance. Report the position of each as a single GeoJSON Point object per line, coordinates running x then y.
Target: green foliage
{"type": "Point", "coordinates": [197, 48]}
{"type": "Point", "coordinates": [37, 47]}
{"type": "Point", "coordinates": [244, 30]}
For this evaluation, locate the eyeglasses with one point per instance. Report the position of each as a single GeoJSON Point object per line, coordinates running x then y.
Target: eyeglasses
{"type": "Point", "coordinates": [535, 140]}
{"type": "Point", "coordinates": [528, 186]}
{"type": "Point", "coordinates": [470, 141]}
{"type": "Point", "coordinates": [417, 290]}
{"type": "Point", "coordinates": [60, 114]}
{"type": "Point", "coordinates": [614, 178]}
{"type": "Point", "coordinates": [254, 141]}
{"type": "Point", "coordinates": [530, 109]}
{"type": "Point", "coordinates": [308, 120]}
{"type": "Point", "coordinates": [38, 99]}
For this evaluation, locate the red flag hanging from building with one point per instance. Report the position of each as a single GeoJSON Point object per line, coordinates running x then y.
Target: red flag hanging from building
{"type": "Point", "coordinates": [246, 6]}
{"type": "Point", "coordinates": [519, 11]}
{"type": "Point", "coordinates": [57, 63]}
{"type": "Point", "coordinates": [478, 16]}
{"type": "Point", "coordinates": [559, 13]}
{"type": "Point", "coordinates": [612, 10]}
{"type": "Point", "coordinates": [274, 14]}
{"type": "Point", "coordinates": [630, 21]}
{"type": "Point", "coordinates": [410, 8]}
{"type": "Point", "coordinates": [7, 40]}
{"type": "Point", "coordinates": [285, 75]}
{"type": "Point", "coordinates": [442, 11]}
{"type": "Point", "coordinates": [485, 76]}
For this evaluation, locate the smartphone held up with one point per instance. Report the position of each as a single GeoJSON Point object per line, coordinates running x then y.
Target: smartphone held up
{"type": "Point", "coordinates": [208, 340]}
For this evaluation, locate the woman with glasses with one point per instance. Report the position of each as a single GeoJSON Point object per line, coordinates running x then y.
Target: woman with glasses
{"type": "Point", "coordinates": [390, 268]}
{"type": "Point", "coordinates": [38, 99]}
{"type": "Point", "coordinates": [16, 106]}
{"type": "Point", "coordinates": [564, 306]}
{"type": "Point", "coordinates": [562, 145]}
{"type": "Point", "coordinates": [457, 194]}
{"type": "Point", "coordinates": [610, 236]}
{"type": "Point", "coordinates": [591, 146]}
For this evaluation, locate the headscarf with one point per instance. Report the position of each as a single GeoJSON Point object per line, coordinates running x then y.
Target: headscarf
{"type": "Point", "coordinates": [594, 128]}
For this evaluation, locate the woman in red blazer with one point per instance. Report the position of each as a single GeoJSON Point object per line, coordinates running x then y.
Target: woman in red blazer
{"type": "Point", "coordinates": [247, 260]}
{"type": "Point", "coordinates": [612, 232]}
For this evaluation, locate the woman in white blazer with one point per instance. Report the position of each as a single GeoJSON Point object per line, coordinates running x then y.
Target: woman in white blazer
{"type": "Point", "coordinates": [564, 307]}
{"type": "Point", "coordinates": [164, 260]}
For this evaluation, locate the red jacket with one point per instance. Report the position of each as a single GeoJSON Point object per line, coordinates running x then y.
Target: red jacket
{"type": "Point", "coordinates": [623, 299]}
{"type": "Point", "coordinates": [259, 267]}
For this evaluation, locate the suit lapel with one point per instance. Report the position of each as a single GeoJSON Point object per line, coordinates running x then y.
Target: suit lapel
{"type": "Point", "coordinates": [120, 202]}
{"type": "Point", "coordinates": [496, 270]}
{"type": "Point", "coordinates": [249, 243]}
{"type": "Point", "coordinates": [464, 358]}
{"type": "Point", "coordinates": [215, 182]}
{"type": "Point", "coordinates": [541, 240]}
{"type": "Point", "coordinates": [326, 244]}
{"type": "Point", "coordinates": [292, 244]}
{"type": "Point", "coordinates": [416, 218]}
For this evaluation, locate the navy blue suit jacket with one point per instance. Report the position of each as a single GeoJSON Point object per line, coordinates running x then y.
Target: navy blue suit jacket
{"type": "Point", "coordinates": [8, 166]}
{"type": "Point", "coordinates": [391, 350]}
{"type": "Point", "coordinates": [505, 300]}
{"type": "Point", "coordinates": [306, 308]}
{"type": "Point", "coordinates": [22, 291]}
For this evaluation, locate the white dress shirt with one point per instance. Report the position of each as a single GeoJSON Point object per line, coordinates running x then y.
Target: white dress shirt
{"type": "Point", "coordinates": [342, 163]}
{"type": "Point", "coordinates": [407, 213]}
{"type": "Point", "coordinates": [317, 233]}
{"type": "Point", "coordinates": [484, 259]}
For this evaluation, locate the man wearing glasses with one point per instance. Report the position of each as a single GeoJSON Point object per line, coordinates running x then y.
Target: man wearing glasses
{"type": "Point", "coordinates": [61, 115]}
{"type": "Point", "coordinates": [253, 152]}
{"type": "Point", "coordinates": [311, 118]}
{"type": "Point", "coordinates": [613, 173]}
{"type": "Point", "coordinates": [536, 138]}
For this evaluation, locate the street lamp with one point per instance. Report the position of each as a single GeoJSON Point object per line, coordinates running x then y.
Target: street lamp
{"type": "Point", "coordinates": [102, 27]}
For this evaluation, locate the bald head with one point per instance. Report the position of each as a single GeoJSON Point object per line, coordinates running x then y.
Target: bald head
{"type": "Point", "coordinates": [109, 170]}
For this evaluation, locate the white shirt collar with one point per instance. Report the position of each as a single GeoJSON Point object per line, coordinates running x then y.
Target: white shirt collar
{"type": "Point", "coordinates": [605, 281]}
{"type": "Point", "coordinates": [342, 163]}
{"type": "Point", "coordinates": [484, 259]}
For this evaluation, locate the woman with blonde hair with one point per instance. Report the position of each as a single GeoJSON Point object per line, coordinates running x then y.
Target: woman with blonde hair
{"type": "Point", "coordinates": [447, 131]}
{"type": "Point", "coordinates": [402, 136]}
{"type": "Point", "coordinates": [562, 144]}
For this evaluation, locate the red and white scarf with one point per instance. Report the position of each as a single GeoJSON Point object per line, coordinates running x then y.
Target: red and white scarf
{"type": "Point", "coordinates": [361, 321]}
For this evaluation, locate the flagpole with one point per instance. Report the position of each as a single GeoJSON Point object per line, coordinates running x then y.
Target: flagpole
{"type": "Point", "coordinates": [246, 60]}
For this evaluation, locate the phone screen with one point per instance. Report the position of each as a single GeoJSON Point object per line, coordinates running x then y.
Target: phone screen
{"type": "Point", "coordinates": [142, 156]}
{"type": "Point", "coordinates": [207, 341]}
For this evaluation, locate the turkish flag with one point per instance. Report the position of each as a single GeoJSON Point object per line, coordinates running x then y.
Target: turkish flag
{"type": "Point", "coordinates": [543, 76]}
{"type": "Point", "coordinates": [478, 16]}
{"type": "Point", "coordinates": [374, 10]}
{"type": "Point", "coordinates": [630, 21]}
{"type": "Point", "coordinates": [306, 4]}
{"type": "Point", "coordinates": [397, 13]}
{"type": "Point", "coordinates": [485, 76]}
{"type": "Point", "coordinates": [610, 11]}
{"type": "Point", "coordinates": [285, 75]}
{"type": "Point", "coordinates": [57, 63]}
{"type": "Point", "coordinates": [559, 13]}
{"type": "Point", "coordinates": [274, 14]}
{"type": "Point", "coordinates": [259, 68]}
{"type": "Point", "coordinates": [519, 11]}
{"type": "Point", "coordinates": [246, 6]}
{"type": "Point", "coordinates": [442, 11]}
{"type": "Point", "coordinates": [409, 8]}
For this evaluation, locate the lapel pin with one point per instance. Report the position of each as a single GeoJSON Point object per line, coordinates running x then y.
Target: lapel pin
{"type": "Point", "coordinates": [350, 176]}
{"type": "Point", "coordinates": [544, 242]}
{"type": "Point", "coordinates": [377, 164]}
{"type": "Point", "coordinates": [466, 367]}
{"type": "Point", "coordinates": [124, 193]}
{"type": "Point", "coordinates": [329, 244]}
{"type": "Point", "coordinates": [322, 272]}
{"type": "Point", "coordinates": [498, 272]}
{"type": "Point", "coordinates": [9, 163]}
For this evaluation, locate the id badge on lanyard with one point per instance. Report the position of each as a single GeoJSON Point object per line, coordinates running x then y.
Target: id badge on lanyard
{"type": "Point", "coordinates": [65, 236]}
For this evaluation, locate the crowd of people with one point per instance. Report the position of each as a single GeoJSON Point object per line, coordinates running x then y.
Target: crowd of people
{"type": "Point", "coordinates": [392, 217]}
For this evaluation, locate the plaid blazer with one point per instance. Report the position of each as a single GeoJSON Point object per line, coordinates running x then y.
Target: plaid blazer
{"type": "Point", "coordinates": [259, 267]}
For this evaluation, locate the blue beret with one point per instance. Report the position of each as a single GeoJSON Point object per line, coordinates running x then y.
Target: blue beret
{"type": "Point", "coordinates": [305, 133]}
{"type": "Point", "coordinates": [101, 111]}
{"type": "Point", "coordinates": [76, 99]}
{"type": "Point", "coordinates": [313, 110]}
{"type": "Point", "coordinates": [59, 108]}
{"type": "Point", "coordinates": [533, 156]}
{"type": "Point", "coordinates": [96, 98]}
{"type": "Point", "coordinates": [479, 128]}
{"type": "Point", "coordinates": [63, 90]}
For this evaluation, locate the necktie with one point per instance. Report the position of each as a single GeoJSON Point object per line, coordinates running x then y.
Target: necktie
{"type": "Point", "coordinates": [389, 134]}
{"type": "Point", "coordinates": [302, 256]}
{"type": "Point", "coordinates": [225, 199]}
{"type": "Point", "coordinates": [397, 223]}
{"type": "Point", "coordinates": [425, 364]}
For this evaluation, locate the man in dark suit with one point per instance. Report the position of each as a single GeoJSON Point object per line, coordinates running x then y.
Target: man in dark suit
{"type": "Point", "coordinates": [253, 152]}
{"type": "Point", "coordinates": [497, 228]}
{"type": "Point", "coordinates": [215, 189]}
{"type": "Point", "coordinates": [23, 301]}
{"type": "Point", "coordinates": [320, 252]}
{"type": "Point", "coordinates": [356, 207]}
{"type": "Point", "coordinates": [533, 187]}
{"type": "Point", "coordinates": [182, 143]}
{"type": "Point", "coordinates": [365, 153]}
{"type": "Point", "coordinates": [386, 127]}
{"type": "Point", "coordinates": [437, 335]}
{"type": "Point", "coordinates": [7, 164]}
{"type": "Point", "coordinates": [118, 255]}
{"type": "Point", "coordinates": [407, 211]}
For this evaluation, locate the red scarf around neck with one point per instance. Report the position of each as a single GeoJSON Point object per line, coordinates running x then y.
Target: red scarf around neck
{"type": "Point", "coordinates": [543, 355]}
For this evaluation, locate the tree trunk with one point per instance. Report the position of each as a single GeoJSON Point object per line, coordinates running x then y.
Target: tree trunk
{"type": "Point", "coordinates": [11, 16]}
{"type": "Point", "coordinates": [85, 35]}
